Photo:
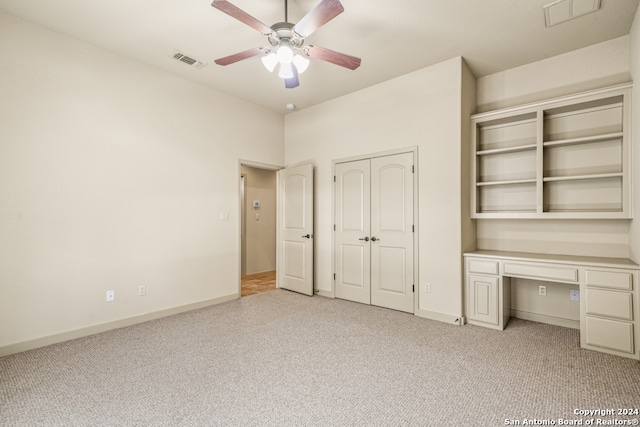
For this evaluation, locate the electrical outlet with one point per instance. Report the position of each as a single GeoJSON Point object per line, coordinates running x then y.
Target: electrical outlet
{"type": "Point", "coordinates": [111, 295]}
{"type": "Point", "coordinates": [427, 287]}
{"type": "Point", "coordinates": [574, 295]}
{"type": "Point", "coordinates": [142, 290]}
{"type": "Point", "coordinates": [542, 290]}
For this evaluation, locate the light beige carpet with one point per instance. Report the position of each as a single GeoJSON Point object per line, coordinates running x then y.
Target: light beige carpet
{"type": "Point", "coordinates": [280, 358]}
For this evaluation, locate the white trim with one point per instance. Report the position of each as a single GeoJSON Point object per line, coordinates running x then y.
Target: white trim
{"type": "Point", "coordinates": [104, 327]}
{"type": "Point", "coordinates": [442, 317]}
{"type": "Point", "coordinates": [543, 318]}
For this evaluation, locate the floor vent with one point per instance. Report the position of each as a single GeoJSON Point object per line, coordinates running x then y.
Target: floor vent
{"type": "Point", "coordinates": [188, 60]}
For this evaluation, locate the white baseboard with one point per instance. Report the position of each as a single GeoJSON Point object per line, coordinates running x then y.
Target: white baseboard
{"type": "Point", "coordinates": [327, 294]}
{"type": "Point", "coordinates": [103, 327]}
{"type": "Point", "coordinates": [441, 317]}
{"type": "Point", "coordinates": [542, 318]}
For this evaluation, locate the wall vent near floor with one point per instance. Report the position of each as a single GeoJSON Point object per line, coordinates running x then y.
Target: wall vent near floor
{"type": "Point", "coordinates": [188, 60]}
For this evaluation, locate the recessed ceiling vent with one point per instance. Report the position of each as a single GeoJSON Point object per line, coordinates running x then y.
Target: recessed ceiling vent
{"type": "Point", "coordinates": [188, 60]}
{"type": "Point", "coordinates": [564, 10]}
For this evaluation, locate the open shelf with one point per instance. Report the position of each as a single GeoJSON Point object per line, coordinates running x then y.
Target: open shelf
{"type": "Point", "coordinates": [564, 158]}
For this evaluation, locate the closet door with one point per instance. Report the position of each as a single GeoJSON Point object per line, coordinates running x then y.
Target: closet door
{"type": "Point", "coordinates": [392, 232]}
{"type": "Point", "coordinates": [374, 231]}
{"type": "Point", "coordinates": [352, 236]}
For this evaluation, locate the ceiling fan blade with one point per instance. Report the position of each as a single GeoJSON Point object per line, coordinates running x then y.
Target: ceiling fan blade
{"type": "Point", "coordinates": [240, 15]}
{"type": "Point", "coordinates": [256, 51]}
{"type": "Point", "coordinates": [323, 54]}
{"type": "Point", "coordinates": [292, 82]}
{"type": "Point", "coordinates": [318, 16]}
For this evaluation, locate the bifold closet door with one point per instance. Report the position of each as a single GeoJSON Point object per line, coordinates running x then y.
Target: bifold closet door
{"type": "Point", "coordinates": [374, 231]}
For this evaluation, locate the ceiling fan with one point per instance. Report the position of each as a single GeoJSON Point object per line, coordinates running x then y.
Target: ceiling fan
{"type": "Point", "coordinates": [287, 41]}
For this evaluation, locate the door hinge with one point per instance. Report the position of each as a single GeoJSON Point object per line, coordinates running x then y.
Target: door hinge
{"type": "Point", "coordinates": [414, 288]}
{"type": "Point", "coordinates": [413, 169]}
{"type": "Point", "coordinates": [413, 228]}
{"type": "Point", "coordinates": [334, 227]}
{"type": "Point", "coordinates": [334, 178]}
{"type": "Point", "coordinates": [334, 276]}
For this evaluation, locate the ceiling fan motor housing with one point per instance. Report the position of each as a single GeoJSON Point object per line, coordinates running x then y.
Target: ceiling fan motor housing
{"type": "Point", "coordinates": [283, 32]}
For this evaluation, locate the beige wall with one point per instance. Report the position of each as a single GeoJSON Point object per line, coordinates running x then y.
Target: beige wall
{"type": "Point", "coordinates": [634, 59]}
{"type": "Point", "coordinates": [113, 175]}
{"type": "Point", "coordinates": [260, 224]}
{"type": "Point", "coordinates": [419, 109]}
{"type": "Point", "coordinates": [593, 67]}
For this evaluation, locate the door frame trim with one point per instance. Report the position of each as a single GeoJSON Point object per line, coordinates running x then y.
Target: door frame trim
{"type": "Point", "coordinates": [416, 217]}
{"type": "Point", "coordinates": [257, 165]}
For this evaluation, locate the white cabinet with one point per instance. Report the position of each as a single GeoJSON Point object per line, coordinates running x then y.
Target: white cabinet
{"type": "Point", "coordinates": [482, 299]}
{"type": "Point", "coordinates": [610, 311]}
{"type": "Point", "coordinates": [609, 304]}
{"type": "Point", "coordinates": [564, 158]}
{"type": "Point", "coordinates": [485, 296]}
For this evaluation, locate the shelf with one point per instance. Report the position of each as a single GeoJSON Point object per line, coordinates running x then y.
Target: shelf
{"type": "Point", "coordinates": [582, 177]}
{"type": "Point", "coordinates": [510, 182]}
{"type": "Point", "coordinates": [583, 140]}
{"type": "Point", "coordinates": [564, 158]}
{"type": "Point", "coordinates": [506, 150]}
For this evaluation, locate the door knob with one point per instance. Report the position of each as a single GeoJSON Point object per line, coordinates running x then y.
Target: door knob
{"type": "Point", "coordinates": [366, 239]}
{"type": "Point", "coordinates": [375, 239]}
{"type": "Point", "coordinates": [308, 236]}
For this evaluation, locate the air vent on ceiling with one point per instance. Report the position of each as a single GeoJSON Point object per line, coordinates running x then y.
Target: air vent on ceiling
{"type": "Point", "coordinates": [188, 60]}
{"type": "Point", "coordinates": [564, 10]}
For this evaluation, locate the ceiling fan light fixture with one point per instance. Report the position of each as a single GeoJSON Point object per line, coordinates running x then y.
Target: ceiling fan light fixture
{"type": "Point", "coordinates": [301, 63]}
{"type": "Point", "coordinates": [286, 71]}
{"type": "Point", "coordinates": [285, 54]}
{"type": "Point", "coordinates": [270, 61]}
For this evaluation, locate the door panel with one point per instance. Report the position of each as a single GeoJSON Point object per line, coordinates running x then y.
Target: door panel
{"type": "Point", "coordinates": [295, 243]}
{"type": "Point", "coordinates": [353, 256]}
{"type": "Point", "coordinates": [392, 228]}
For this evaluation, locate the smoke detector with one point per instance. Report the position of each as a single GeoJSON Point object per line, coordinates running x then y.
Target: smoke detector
{"type": "Point", "coordinates": [564, 10]}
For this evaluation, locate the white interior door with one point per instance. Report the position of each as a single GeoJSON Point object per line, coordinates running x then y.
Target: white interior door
{"type": "Point", "coordinates": [352, 248]}
{"type": "Point", "coordinates": [374, 252]}
{"type": "Point", "coordinates": [295, 226]}
{"type": "Point", "coordinates": [392, 232]}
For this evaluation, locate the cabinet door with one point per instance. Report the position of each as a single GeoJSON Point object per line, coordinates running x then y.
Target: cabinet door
{"type": "Point", "coordinates": [482, 299]}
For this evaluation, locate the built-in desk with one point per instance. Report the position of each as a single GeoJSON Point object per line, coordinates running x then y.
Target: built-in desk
{"type": "Point", "coordinates": [608, 293]}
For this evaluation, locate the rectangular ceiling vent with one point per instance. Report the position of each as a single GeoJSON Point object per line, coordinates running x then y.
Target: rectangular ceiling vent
{"type": "Point", "coordinates": [188, 60]}
{"type": "Point", "coordinates": [564, 10]}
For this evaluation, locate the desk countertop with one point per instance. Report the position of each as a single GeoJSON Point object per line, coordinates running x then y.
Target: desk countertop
{"type": "Point", "coordinates": [555, 258]}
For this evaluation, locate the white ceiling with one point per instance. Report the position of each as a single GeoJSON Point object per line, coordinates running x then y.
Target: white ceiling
{"type": "Point", "coordinates": [392, 38]}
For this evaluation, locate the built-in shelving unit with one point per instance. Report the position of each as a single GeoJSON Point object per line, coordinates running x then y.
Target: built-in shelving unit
{"type": "Point", "coordinates": [563, 158]}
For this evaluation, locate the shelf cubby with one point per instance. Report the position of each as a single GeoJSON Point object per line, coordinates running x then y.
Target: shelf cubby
{"type": "Point", "coordinates": [563, 158]}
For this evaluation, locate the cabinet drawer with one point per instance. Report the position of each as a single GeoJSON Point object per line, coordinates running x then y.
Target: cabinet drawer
{"type": "Point", "coordinates": [611, 334]}
{"type": "Point", "coordinates": [483, 266]}
{"type": "Point", "coordinates": [543, 272]}
{"type": "Point", "coordinates": [609, 279]}
{"type": "Point", "coordinates": [609, 303]}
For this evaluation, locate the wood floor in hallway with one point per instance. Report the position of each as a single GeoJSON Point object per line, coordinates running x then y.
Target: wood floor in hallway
{"type": "Point", "coordinates": [257, 283]}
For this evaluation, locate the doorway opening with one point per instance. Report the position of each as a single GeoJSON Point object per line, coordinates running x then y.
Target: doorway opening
{"type": "Point", "coordinates": [258, 217]}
